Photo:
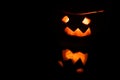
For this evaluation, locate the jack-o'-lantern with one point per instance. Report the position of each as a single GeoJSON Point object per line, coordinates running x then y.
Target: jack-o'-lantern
{"type": "Point", "coordinates": [76, 30]}
{"type": "Point", "coordinates": [74, 57]}
{"type": "Point", "coordinates": [78, 26]}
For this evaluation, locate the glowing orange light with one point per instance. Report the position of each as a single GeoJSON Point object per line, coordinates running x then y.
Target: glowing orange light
{"type": "Point", "coordinates": [65, 19]}
{"type": "Point", "coordinates": [86, 21]}
{"type": "Point", "coordinates": [67, 54]}
{"type": "Point", "coordinates": [77, 32]}
{"type": "Point", "coordinates": [85, 13]}
{"type": "Point", "coordinates": [60, 63]}
{"type": "Point", "coordinates": [79, 70]}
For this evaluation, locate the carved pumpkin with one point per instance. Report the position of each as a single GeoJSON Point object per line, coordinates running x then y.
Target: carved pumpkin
{"type": "Point", "coordinates": [74, 57]}
{"type": "Point", "coordinates": [77, 32]}
{"type": "Point", "coordinates": [76, 27]}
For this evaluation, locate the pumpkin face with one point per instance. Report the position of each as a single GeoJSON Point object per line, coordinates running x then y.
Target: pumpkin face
{"type": "Point", "coordinates": [74, 57]}
{"type": "Point", "coordinates": [79, 24]}
{"type": "Point", "coordinates": [68, 54]}
{"type": "Point", "coordinates": [77, 32]}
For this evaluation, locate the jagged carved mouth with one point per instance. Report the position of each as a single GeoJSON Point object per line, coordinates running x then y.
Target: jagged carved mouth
{"type": "Point", "coordinates": [68, 54]}
{"type": "Point", "coordinates": [74, 57]}
{"type": "Point", "coordinates": [77, 32]}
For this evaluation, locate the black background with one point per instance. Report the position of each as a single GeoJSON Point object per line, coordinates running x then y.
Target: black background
{"type": "Point", "coordinates": [38, 37]}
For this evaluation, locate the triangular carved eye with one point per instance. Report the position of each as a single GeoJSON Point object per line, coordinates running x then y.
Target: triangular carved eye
{"type": "Point", "coordinates": [65, 19]}
{"type": "Point", "coordinates": [86, 21]}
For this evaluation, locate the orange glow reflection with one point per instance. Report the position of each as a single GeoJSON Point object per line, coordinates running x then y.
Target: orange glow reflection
{"type": "Point", "coordinates": [60, 63]}
{"type": "Point", "coordinates": [77, 32]}
{"type": "Point", "coordinates": [79, 70]}
{"type": "Point", "coordinates": [67, 54]}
